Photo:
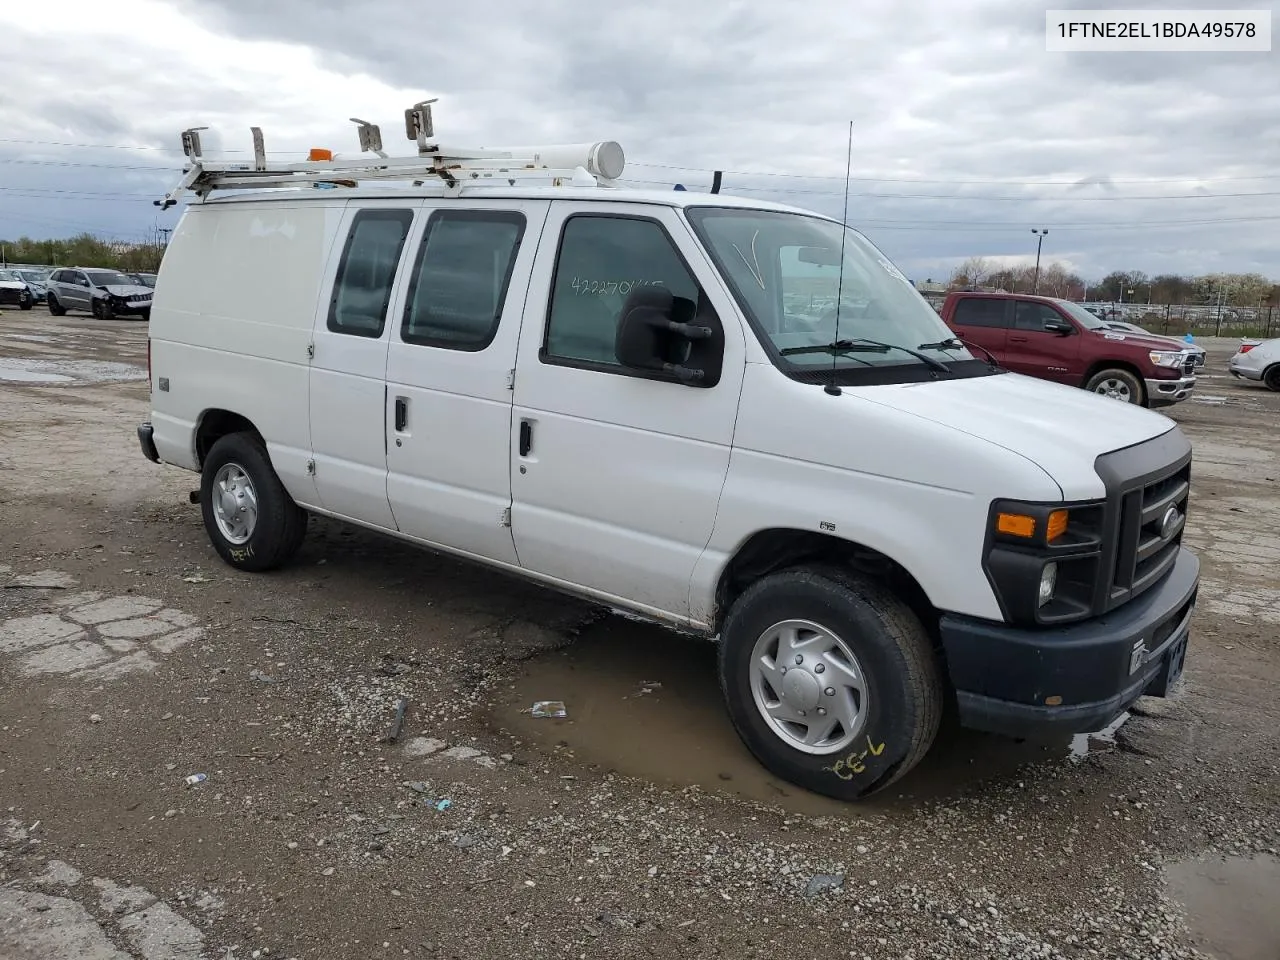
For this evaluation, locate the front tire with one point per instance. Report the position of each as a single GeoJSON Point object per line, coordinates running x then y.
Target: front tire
{"type": "Point", "coordinates": [55, 308]}
{"type": "Point", "coordinates": [1118, 385]}
{"type": "Point", "coordinates": [831, 680]}
{"type": "Point", "coordinates": [252, 521]}
{"type": "Point", "coordinates": [102, 310]}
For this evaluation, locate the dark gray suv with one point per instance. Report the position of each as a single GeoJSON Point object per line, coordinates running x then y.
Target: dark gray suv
{"type": "Point", "coordinates": [104, 293]}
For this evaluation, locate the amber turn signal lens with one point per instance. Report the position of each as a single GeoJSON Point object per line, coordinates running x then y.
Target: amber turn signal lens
{"type": "Point", "coordinates": [1057, 525]}
{"type": "Point", "coordinates": [1016, 525]}
{"type": "Point", "coordinates": [320, 153]}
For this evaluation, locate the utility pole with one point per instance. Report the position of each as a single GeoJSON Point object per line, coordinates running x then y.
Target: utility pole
{"type": "Point", "coordinates": [1040, 235]}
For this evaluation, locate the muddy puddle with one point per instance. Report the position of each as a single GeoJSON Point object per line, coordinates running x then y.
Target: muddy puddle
{"type": "Point", "coordinates": [646, 703]}
{"type": "Point", "coordinates": [1232, 905]}
{"type": "Point", "coordinates": [31, 370]}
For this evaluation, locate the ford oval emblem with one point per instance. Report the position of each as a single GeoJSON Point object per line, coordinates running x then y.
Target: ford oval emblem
{"type": "Point", "coordinates": [1169, 523]}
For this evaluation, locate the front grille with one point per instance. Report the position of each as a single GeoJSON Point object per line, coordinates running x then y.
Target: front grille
{"type": "Point", "coordinates": [1152, 519]}
{"type": "Point", "coordinates": [1148, 488]}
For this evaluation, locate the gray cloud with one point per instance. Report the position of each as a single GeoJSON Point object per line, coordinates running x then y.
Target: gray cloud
{"type": "Point", "coordinates": [940, 93]}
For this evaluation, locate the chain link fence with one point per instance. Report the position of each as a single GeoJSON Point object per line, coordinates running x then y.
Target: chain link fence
{"type": "Point", "coordinates": [1176, 320]}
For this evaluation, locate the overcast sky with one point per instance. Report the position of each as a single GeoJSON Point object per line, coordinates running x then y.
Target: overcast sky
{"type": "Point", "coordinates": [967, 133]}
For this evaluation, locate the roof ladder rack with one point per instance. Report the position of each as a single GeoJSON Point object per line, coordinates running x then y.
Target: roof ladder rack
{"type": "Point", "coordinates": [580, 165]}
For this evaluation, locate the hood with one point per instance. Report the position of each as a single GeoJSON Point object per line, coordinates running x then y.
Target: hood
{"type": "Point", "coordinates": [13, 284]}
{"type": "Point", "coordinates": [1062, 429]}
{"type": "Point", "coordinates": [126, 289]}
{"type": "Point", "coordinates": [1140, 340]}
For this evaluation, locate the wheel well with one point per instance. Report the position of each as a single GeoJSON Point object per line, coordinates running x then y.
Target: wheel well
{"type": "Point", "coordinates": [1124, 365]}
{"type": "Point", "coordinates": [216, 424]}
{"type": "Point", "coordinates": [1269, 369]}
{"type": "Point", "coordinates": [769, 551]}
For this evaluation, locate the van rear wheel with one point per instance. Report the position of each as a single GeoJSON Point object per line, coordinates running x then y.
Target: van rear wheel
{"type": "Point", "coordinates": [252, 521]}
{"type": "Point", "coordinates": [830, 680]}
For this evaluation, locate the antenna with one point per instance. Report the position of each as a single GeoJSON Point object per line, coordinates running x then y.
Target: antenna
{"type": "Point", "coordinates": [833, 388]}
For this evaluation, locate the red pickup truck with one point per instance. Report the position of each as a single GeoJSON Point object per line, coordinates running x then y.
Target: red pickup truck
{"type": "Point", "coordinates": [1059, 340]}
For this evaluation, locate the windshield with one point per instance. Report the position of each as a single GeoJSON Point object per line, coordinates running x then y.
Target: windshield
{"type": "Point", "coordinates": [104, 278]}
{"type": "Point", "coordinates": [1081, 315]}
{"type": "Point", "coordinates": [784, 269]}
{"type": "Point", "coordinates": [33, 275]}
{"type": "Point", "coordinates": [9, 275]}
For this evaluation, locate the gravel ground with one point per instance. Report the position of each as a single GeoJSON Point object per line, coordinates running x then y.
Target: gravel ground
{"type": "Point", "coordinates": [131, 658]}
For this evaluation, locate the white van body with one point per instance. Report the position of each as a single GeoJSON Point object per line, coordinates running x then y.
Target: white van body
{"type": "Point", "coordinates": [640, 492]}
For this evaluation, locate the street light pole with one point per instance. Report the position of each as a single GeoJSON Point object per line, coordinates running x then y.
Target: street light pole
{"type": "Point", "coordinates": [1040, 235]}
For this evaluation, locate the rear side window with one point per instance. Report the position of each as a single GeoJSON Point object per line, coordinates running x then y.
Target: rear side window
{"type": "Point", "coordinates": [1033, 316]}
{"type": "Point", "coordinates": [461, 277]}
{"type": "Point", "coordinates": [979, 312]}
{"type": "Point", "coordinates": [367, 272]}
{"type": "Point", "coordinates": [602, 259]}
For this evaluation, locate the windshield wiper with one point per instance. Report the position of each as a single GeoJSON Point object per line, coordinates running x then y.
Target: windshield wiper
{"type": "Point", "coordinates": [953, 343]}
{"type": "Point", "coordinates": [863, 345]}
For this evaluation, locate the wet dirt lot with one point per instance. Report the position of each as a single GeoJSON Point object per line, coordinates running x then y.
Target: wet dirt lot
{"type": "Point", "coordinates": [131, 658]}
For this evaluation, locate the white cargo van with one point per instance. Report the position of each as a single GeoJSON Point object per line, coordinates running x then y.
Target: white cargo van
{"type": "Point", "coordinates": [733, 417]}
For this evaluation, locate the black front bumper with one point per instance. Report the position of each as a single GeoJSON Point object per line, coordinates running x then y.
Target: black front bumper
{"type": "Point", "coordinates": [145, 434]}
{"type": "Point", "coordinates": [1072, 679]}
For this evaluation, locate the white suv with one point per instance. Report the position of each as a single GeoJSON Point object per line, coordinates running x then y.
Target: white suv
{"type": "Point", "coordinates": [644, 398]}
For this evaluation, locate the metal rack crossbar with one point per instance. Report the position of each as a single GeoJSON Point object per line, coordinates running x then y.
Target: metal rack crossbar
{"type": "Point", "coordinates": [596, 164]}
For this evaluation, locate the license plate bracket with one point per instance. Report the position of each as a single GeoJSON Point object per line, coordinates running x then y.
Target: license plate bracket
{"type": "Point", "coordinates": [1174, 660]}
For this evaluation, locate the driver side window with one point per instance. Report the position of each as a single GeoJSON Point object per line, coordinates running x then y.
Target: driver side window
{"type": "Point", "coordinates": [602, 258]}
{"type": "Point", "coordinates": [1033, 316]}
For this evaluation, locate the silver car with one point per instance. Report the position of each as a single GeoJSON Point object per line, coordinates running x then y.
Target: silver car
{"type": "Point", "coordinates": [1258, 360]}
{"type": "Point", "coordinates": [104, 293]}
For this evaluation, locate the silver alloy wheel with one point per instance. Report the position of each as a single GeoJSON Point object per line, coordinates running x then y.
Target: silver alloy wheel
{"type": "Point", "coordinates": [1113, 388]}
{"type": "Point", "coordinates": [808, 686]}
{"type": "Point", "coordinates": [235, 503]}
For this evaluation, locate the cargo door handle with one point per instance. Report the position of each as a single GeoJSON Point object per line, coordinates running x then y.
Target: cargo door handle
{"type": "Point", "coordinates": [526, 437]}
{"type": "Point", "coordinates": [402, 413]}
{"type": "Point", "coordinates": [1017, 339]}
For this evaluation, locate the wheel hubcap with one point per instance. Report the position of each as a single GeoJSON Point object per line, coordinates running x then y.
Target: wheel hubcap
{"type": "Point", "coordinates": [1115, 389]}
{"type": "Point", "coordinates": [808, 686]}
{"type": "Point", "coordinates": [235, 503]}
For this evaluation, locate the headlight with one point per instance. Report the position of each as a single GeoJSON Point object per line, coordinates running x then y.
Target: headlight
{"type": "Point", "coordinates": [1048, 582]}
{"type": "Point", "coordinates": [1044, 559]}
{"type": "Point", "coordinates": [1167, 358]}
{"type": "Point", "coordinates": [1029, 526]}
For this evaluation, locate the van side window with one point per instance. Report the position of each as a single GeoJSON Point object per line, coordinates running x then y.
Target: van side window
{"type": "Point", "coordinates": [603, 258]}
{"type": "Point", "coordinates": [460, 278]}
{"type": "Point", "coordinates": [980, 312]}
{"type": "Point", "coordinates": [367, 271]}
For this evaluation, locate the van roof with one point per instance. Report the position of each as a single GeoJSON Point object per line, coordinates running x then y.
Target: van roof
{"type": "Point", "coordinates": [670, 198]}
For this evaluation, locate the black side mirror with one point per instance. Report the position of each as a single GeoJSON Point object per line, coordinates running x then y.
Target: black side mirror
{"type": "Point", "coordinates": [670, 337]}
{"type": "Point", "coordinates": [1060, 327]}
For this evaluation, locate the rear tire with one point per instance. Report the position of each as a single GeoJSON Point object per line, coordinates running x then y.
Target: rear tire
{"type": "Point", "coordinates": [1118, 385]}
{"type": "Point", "coordinates": [252, 521]}
{"type": "Point", "coordinates": [892, 721]}
{"type": "Point", "coordinates": [55, 308]}
{"type": "Point", "coordinates": [1271, 377]}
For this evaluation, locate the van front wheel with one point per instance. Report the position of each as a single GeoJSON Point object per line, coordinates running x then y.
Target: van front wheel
{"type": "Point", "coordinates": [252, 521]}
{"type": "Point", "coordinates": [830, 680]}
